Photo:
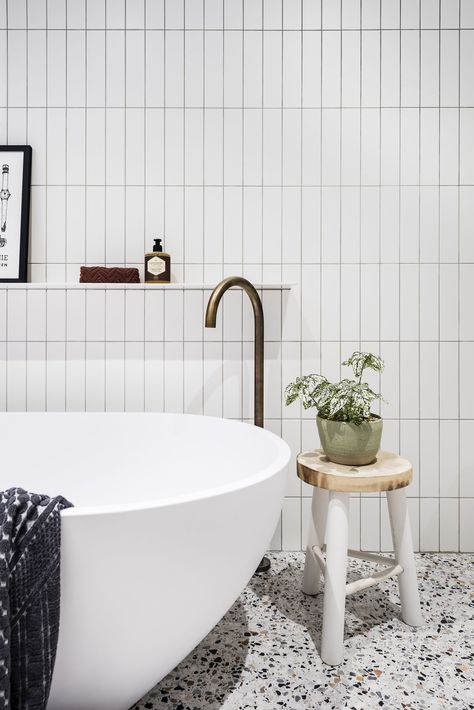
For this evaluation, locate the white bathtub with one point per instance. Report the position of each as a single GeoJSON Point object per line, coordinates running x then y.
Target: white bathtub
{"type": "Point", "coordinates": [172, 516]}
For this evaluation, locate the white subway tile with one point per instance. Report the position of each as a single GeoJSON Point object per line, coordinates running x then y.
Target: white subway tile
{"type": "Point", "coordinates": [410, 15]}
{"type": "Point", "coordinates": [272, 67]}
{"type": "Point", "coordinates": [134, 68]}
{"type": "Point", "coordinates": [430, 51]}
{"type": "Point", "coordinates": [115, 14]}
{"type": "Point", "coordinates": [410, 449]}
{"type": "Point", "coordinates": [449, 302]}
{"type": "Point", "coordinates": [114, 224]}
{"type": "Point", "coordinates": [409, 380]}
{"type": "Point", "coordinates": [449, 67]}
{"type": "Point", "coordinates": [429, 314]}
{"type": "Point", "coordinates": [466, 146]}
{"type": "Point", "coordinates": [75, 146]}
{"type": "Point", "coordinates": [331, 147]}
{"type": "Point", "coordinates": [389, 302]}
{"type": "Point", "coordinates": [449, 372]}
{"type": "Point", "coordinates": [95, 63]}
{"type": "Point", "coordinates": [134, 377]}
{"type": "Point", "coordinates": [291, 147]}
{"type": "Point", "coordinates": [95, 143]}
{"type": "Point", "coordinates": [350, 306]}
{"type": "Point", "coordinates": [429, 458]}
{"type": "Point", "coordinates": [369, 524]}
{"type": "Point", "coordinates": [410, 69]}
{"type": "Point", "coordinates": [37, 68]}
{"type": "Point", "coordinates": [76, 69]}
{"type": "Point", "coordinates": [390, 69]}
{"type": "Point", "coordinates": [429, 13]}
{"type": "Point", "coordinates": [409, 224]}
{"type": "Point", "coordinates": [331, 69]}
{"type": "Point", "coordinates": [16, 377]}
{"type": "Point", "coordinates": [135, 225]}
{"type": "Point", "coordinates": [429, 524]}
{"type": "Point", "coordinates": [466, 294]}
{"type": "Point", "coordinates": [56, 14]}
{"type": "Point", "coordinates": [114, 377]}
{"type": "Point", "coordinates": [36, 315]}
{"type": "Point", "coordinates": [233, 69]}
{"type": "Point", "coordinates": [232, 146]}
{"type": "Point", "coordinates": [252, 147]}
{"type": "Point", "coordinates": [330, 224]}
{"type": "Point", "coordinates": [154, 79]}
{"type": "Point", "coordinates": [231, 380]}
{"type": "Point", "coordinates": [370, 74]}
{"type": "Point", "coordinates": [95, 221]}
{"type": "Point", "coordinates": [95, 377]}
{"type": "Point", "coordinates": [291, 76]}
{"type": "Point", "coordinates": [232, 227]}
{"type": "Point", "coordinates": [56, 315]}
{"type": "Point", "coordinates": [95, 14]}
{"type": "Point", "coordinates": [466, 380]}
{"type": "Point", "coordinates": [174, 146]}
{"type": "Point", "coordinates": [135, 14]}
{"type": "Point", "coordinates": [448, 525]}
{"type": "Point", "coordinates": [76, 14]}
{"type": "Point", "coordinates": [311, 69]}
{"type": "Point", "coordinates": [115, 68]}
{"type": "Point", "coordinates": [311, 155]}
{"type": "Point", "coordinates": [271, 217]}
{"type": "Point", "coordinates": [291, 225]}
{"type": "Point", "coordinates": [16, 315]}
{"type": "Point", "coordinates": [291, 524]}
{"type": "Point", "coordinates": [350, 225]}
{"type": "Point", "coordinates": [95, 315]}
{"type": "Point", "coordinates": [389, 146]}
{"type": "Point", "coordinates": [55, 373]}
{"type": "Point", "coordinates": [466, 525]}
{"type": "Point", "coordinates": [17, 68]}
{"type": "Point", "coordinates": [75, 377]}
{"type": "Point", "coordinates": [409, 146]}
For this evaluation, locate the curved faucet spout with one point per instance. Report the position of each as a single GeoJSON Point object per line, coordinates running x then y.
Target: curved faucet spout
{"type": "Point", "coordinates": [211, 315]}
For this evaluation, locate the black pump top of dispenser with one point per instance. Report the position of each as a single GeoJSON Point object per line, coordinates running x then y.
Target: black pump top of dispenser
{"type": "Point", "coordinates": [157, 245]}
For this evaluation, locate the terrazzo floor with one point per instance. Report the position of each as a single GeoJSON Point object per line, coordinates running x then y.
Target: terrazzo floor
{"type": "Point", "coordinates": [264, 652]}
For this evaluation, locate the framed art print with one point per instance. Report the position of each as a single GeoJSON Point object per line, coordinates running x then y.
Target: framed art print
{"type": "Point", "coordinates": [15, 180]}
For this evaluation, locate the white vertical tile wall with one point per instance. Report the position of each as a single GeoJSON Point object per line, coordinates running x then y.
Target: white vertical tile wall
{"type": "Point", "coordinates": [326, 144]}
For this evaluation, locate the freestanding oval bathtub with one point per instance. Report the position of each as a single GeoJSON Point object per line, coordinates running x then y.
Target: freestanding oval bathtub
{"type": "Point", "coordinates": [172, 516]}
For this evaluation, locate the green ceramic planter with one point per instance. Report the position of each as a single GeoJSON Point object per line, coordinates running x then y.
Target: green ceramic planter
{"type": "Point", "coordinates": [350, 444]}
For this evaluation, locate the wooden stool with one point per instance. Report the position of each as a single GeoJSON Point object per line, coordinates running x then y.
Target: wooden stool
{"type": "Point", "coordinates": [333, 484]}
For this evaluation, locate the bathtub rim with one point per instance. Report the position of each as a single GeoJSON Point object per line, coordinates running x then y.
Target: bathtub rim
{"type": "Point", "coordinates": [281, 461]}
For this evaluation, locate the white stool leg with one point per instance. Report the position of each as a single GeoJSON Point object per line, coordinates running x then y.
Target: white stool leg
{"type": "Point", "coordinates": [403, 545]}
{"type": "Point", "coordinates": [316, 529]}
{"type": "Point", "coordinates": [337, 540]}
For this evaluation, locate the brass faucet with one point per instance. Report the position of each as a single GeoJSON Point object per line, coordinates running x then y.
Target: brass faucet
{"type": "Point", "coordinates": [211, 314]}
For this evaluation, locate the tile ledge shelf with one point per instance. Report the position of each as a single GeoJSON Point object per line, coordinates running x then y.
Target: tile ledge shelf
{"type": "Point", "coordinates": [133, 286]}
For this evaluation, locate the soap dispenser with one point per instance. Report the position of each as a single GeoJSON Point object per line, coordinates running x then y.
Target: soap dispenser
{"type": "Point", "coordinates": [157, 265]}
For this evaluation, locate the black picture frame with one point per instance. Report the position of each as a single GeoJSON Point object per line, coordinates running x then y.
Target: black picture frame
{"type": "Point", "coordinates": [19, 238]}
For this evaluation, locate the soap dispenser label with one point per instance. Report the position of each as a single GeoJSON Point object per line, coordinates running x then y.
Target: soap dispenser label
{"type": "Point", "coordinates": [156, 265]}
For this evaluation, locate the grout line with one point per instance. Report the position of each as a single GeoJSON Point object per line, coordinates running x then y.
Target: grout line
{"type": "Point", "coordinates": [419, 281]}
{"type": "Point", "coordinates": [459, 276]}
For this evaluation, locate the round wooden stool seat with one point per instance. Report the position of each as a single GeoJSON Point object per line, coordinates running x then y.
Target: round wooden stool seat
{"type": "Point", "coordinates": [387, 473]}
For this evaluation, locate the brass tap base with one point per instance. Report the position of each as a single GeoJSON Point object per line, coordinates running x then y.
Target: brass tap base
{"type": "Point", "coordinates": [264, 565]}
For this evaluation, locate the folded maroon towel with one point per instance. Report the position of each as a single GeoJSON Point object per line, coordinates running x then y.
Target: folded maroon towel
{"type": "Point", "coordinates": [102, 274]}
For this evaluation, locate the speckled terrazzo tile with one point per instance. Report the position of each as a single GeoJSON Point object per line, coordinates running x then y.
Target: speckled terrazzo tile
{"type": "Point", "coordinates": [265, 652]}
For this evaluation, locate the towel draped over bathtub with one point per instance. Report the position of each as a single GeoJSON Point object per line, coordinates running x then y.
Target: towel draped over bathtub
{"type": "Point", "coordinates": [30, 538]}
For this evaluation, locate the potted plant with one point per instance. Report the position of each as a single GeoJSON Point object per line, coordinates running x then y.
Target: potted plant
{"type": "Point", "coordinates": [350, 433]}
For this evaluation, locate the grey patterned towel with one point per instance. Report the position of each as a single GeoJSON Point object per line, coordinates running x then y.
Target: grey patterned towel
{"type": "Point", "coordinates": [30, 538]}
